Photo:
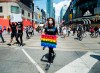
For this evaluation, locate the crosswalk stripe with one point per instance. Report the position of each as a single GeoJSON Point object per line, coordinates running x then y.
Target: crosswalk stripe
{"type": "Point", "coordinates": [33, 61]}
{"type": "Point", "coordinates": [80, 65]}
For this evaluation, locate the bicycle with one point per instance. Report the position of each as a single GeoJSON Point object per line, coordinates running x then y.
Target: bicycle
{"type": "Point", "coordinates": [94, 34]}
{"type": "Point", "coordinates": [84, 34]}
{"type": "Point", "coordinates": [81, 35]}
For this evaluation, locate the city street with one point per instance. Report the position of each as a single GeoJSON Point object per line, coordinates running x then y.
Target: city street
{"type": "Point", "coordinates": [77, 45]}
{"type": "Point", "coordinates": [72, 56]}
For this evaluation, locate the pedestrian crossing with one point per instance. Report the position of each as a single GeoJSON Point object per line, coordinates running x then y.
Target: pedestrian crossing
{"type": "Point", "coordinates": [81, 65]}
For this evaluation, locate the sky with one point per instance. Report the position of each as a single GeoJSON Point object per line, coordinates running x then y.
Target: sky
{"type": "Point", "coordinates": [58, 4]}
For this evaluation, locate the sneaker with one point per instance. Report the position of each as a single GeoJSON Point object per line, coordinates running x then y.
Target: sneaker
{"type": "Point", "coordinates": [21, 45]}
{"type": "Point", "coordinates": [44, 48]}
{"type": "Point", "coordinates": [9, 44]}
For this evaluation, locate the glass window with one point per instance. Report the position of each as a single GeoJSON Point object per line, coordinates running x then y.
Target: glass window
{"type": "Point", "coordinates": [23, 12]}
{"type": "Point", "coordinates": [15, 9]}
{"type": "Point", "coordinates": [28, 14]}
{"type": "Point", "coordinates": [98, 4]}
{"type": "Point", "coordinates": [1, 9]}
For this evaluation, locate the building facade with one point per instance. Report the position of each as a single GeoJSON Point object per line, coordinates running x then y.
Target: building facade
{"type": "Point", "coordinates": [49, 9]}
{"type": "Point", "coordinates": [85, 11]}
{"type": "Point", "coordinates": [43, 16]}
{"type": "Point", "coordinates": [53, 12]}
{"type": "Point", "coordinates": [9, 7]}
{"type": "Point", "coordinates": [62, 12]}
{"type": "Point", "coordinates": [66, 16]}
{"type": "Point", "coordinates": [37, 15]}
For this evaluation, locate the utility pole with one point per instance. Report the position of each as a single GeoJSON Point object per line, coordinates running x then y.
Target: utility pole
{"type": "Point", "coordinates": [33, 16]}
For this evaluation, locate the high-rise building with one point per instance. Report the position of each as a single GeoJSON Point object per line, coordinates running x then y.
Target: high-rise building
{"type": "Point", "coordinates": [50, 8]}
{"type": "Point", "coordinates": [43, 16]}
{"type": "Point", "coordinates": [62, 12]}
{"type": "Point", "coordinates": [53, 12]}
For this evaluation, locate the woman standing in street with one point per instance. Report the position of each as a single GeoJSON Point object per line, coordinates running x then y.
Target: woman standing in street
{"type": "Point", "coordinates": [51, 30]}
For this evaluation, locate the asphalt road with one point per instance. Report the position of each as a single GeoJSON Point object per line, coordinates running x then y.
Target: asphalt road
{"type": "Point", "coordinates": [72, 56]}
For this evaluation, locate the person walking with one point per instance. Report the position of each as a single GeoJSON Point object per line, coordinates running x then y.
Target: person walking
{"type": "Point", "coordinates": [64, 32]}
{"type": "Point", "coordinates": [27, 34]}
{"type": "Point", "coordinates": [13, 33]}
{"type": "Point", "coordinates": [30, 30]}
{"type": "Point", "coordinates": [19, 33]}
{"type": "Point", "coordinates": [69, 30]}
{"type": "Point", "coordinates": [1, 34]}
{"type": "Point", "coordinates": [51, 30]}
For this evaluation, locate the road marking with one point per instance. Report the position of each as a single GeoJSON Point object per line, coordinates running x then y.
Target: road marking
{"type": "Point", "coordinates": [80, 65]}
{"type": "Point", "coordinates": [62, 49]}
{"type": "Point", "coordinates": [33, 61]}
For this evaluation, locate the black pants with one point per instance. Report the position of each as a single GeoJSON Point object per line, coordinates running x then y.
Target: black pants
{"type": "Point", "coordinates": [51, 51]}
{"type": "Point", "coordinates": [19, 35]}
{"type": "Point", "coordinates": [27, 35]}
{"type": "Point", "coordinates": [1, 37]}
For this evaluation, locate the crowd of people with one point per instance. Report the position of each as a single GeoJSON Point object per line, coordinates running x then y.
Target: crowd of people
{"type": "Point", "coordinates": [79, 28]}
{"type": "Point", "coordinates": [16, 30]}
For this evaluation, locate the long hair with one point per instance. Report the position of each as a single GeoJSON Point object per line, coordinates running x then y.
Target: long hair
{"type": "Point", "coordinates": [52, 20]}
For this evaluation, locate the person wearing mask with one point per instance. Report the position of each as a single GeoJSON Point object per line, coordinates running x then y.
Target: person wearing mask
{"type": "Point", "coordinates": [13, 33]}
{"type": "Point", "coordinates": [19, 33]}
{"type": "Point", "coordinates": [51, 30]}
{"type": "Point", "coordinates": [1, 34]}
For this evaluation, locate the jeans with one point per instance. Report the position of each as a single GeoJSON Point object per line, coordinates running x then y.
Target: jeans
{"type": "Point", "coordinates": [1, 37]}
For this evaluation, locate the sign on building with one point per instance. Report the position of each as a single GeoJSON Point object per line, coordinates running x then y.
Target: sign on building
{"type": "Point", "coordinates": [87, 13]}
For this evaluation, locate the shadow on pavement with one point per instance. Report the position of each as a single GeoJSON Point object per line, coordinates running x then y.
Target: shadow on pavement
{"type": "Point", "coordinates": [45, 58]}
{"type": "Point", "coordinates": [96, 57]}
{"type": "Point", "coordinates": [95, 68]}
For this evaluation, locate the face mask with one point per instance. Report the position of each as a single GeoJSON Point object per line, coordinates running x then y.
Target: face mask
{"type": "Point", "coordinates": [50, 22]}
